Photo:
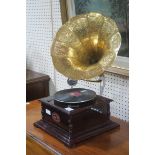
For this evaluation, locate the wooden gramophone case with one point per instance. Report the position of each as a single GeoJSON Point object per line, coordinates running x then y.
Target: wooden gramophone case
{"type": "Point", "coordinates": [73, 125]}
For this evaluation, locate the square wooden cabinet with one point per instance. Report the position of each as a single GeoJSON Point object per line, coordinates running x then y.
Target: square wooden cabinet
{"type": "Point", "coordinates": [37, 85]}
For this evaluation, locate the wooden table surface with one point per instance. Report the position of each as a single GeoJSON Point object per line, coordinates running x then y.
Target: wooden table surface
{"type": "Point", "coordinates": [114, 142]}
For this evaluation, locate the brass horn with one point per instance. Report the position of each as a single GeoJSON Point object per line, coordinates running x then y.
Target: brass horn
{"type": "Point", "coordinates": [85, 46]}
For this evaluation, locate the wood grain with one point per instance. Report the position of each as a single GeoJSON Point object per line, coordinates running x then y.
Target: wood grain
{"type": "Point", "coordinates": [114, 142]}
{"type": "Point", "coordinates": [35, 148]}
{"type": "Point", "coordinates": [37, 85]}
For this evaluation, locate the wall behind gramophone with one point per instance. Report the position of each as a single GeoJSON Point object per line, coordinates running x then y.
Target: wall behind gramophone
{"type": "Point", "coordinates": [43, 20]}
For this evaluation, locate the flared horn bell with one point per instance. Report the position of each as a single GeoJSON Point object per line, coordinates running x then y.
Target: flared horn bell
{"type": "Point", "coordinates": [85, 46]}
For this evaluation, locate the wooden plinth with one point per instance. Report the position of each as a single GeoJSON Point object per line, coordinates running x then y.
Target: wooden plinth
{"type": "Point", "coordinates": [70, 139]}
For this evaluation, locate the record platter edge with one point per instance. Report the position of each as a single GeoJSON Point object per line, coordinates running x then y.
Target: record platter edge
{"type": "Point", "coordinates": [75, 97]}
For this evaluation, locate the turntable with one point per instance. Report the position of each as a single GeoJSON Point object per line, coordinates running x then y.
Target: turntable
{"type": "Point", "coordinates": [82, 49]}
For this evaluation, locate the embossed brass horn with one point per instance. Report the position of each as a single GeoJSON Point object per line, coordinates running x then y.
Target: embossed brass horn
{"type": "Point", "coordinates": [85, 46]}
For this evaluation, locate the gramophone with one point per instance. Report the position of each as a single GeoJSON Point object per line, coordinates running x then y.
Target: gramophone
{"type": "Point", "coordinates": [82, 49]}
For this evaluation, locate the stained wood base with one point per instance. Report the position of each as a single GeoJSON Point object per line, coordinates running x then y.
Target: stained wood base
{"type": "Point", "coordinates": [70, 139]}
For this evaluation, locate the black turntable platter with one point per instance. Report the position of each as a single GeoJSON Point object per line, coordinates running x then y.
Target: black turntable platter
{"type": "Point", "coordinates": [76, 97]}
